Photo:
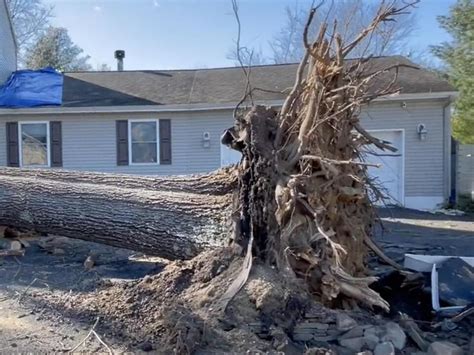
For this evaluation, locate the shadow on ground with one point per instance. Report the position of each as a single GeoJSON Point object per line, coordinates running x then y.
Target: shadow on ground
{"type": "Point", "coordinates": [64, 269]}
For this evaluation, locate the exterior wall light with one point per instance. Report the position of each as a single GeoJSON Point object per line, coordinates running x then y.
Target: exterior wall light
{"type": "Point", "coordinates": [422, 131]}
{"type": "Point", "coordinates": [206, 139]}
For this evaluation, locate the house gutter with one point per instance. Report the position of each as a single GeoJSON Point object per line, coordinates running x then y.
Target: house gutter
{"type": "Point", "coordinates": [196, 107]}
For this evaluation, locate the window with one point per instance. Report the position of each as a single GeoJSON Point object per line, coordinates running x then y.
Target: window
{"type": "Point", "coordinates": [143, 142]}
{"type": "Point", "coordinates": [34, 144]}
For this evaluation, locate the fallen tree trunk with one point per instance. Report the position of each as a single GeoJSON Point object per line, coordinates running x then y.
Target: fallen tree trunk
{"type": "Point", "coordinates": [173, 217]}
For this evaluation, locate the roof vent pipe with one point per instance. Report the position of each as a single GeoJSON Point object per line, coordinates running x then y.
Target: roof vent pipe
{"type": "Point", "coordinates": [119, 55]}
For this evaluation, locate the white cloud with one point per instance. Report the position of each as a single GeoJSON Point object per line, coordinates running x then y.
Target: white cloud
{"type": "Point", "coordinates": [156, 3]}
{"type": "Point", "coordinates": [97, 8]}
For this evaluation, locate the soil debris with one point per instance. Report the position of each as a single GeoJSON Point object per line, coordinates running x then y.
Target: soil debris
{"type": "Point", "coordinates": [175, 311]}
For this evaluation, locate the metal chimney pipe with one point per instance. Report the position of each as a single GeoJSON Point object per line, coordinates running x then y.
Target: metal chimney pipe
{"type": "Point", "coordinates": [119, 55]}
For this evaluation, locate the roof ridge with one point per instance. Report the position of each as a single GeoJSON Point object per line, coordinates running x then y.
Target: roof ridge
{"type": "Point", "coordinates": [216, 68]}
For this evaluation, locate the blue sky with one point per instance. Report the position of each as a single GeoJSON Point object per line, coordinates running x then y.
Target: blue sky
{"type": "Point", "coordinates": [167, 34]}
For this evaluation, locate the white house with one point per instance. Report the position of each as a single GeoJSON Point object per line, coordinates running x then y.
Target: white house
{"type": "Point", "coordinates": [170, 122]}
{"type": "Point", "coordinates": [7, 44]}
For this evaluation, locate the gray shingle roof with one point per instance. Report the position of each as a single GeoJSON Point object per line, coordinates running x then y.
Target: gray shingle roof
{"type": "Point", "coordinates": [213, 86]}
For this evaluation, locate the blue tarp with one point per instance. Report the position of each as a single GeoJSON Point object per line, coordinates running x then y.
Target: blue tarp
{"type": "Point", "coordinates": [30, 88]}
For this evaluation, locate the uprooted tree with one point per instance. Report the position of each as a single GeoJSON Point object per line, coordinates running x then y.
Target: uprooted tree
{"type": "Point", "coordinates": [301, 201]}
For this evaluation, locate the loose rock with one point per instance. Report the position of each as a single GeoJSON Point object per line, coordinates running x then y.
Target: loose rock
{"type": "Point", "coordinates": [303, 336]}
{"type": "Point", "coordinates": [371, 341]}
{"type": "Point", "coordinates": [355, 332]}
{"type": "Point", "coordinates": [385, 348]}
{"type": "Point", "coordinates": [354, 344]}
{"type": "Point", "coordinates": [344, 322]}
{"type": "Point", "coordinates": [312, 325]}
{"type": "Point", "coordinates": [444, 348]}
{"type": "Point", "coordinates": [395, 334]}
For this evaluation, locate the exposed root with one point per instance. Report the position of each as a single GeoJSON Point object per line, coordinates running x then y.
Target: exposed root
{"type": "Point", "coordinates": [303, 187]}
{"type": "Point", "coordinates": [375, 248]}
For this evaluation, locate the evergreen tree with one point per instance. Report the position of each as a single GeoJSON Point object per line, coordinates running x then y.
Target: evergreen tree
{"type": "Point", "coordinates": [459, 58]}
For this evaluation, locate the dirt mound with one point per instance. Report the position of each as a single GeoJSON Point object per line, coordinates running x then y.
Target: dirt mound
{"type": "Point", "coordinates": [177, 310]}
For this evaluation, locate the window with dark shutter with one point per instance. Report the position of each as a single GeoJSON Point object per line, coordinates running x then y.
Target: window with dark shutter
{"type": "Point", "coordinates": [56, 143]}
{"type": "Point", "coordinates": [165, 141]}
{"type": "Point", "coordinates": [13, 149]}
{"type": "Point", "coordinates": [122, 142]}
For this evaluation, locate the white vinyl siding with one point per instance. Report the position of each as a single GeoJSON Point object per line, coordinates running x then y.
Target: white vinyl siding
{"type": "Point", "coordinates": [7, 45]}
{"type": "Point", "coordinates": [465, 170]}
{"type": "Point", "coordinates": [424, 166]}
{"type": "Point", "coordinates": [89, 142]}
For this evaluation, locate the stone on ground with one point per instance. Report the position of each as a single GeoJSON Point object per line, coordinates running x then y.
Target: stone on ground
{"type": "Point", "coordinates": [371, 341]}
{"type": "Point", "coordinates": [395, 334]}
{"type": "Point", "coordinates": [344, 322]}
{"type": "Point", "coordinates": [354, 344]}
{"type": "Point", "coordinates": [444, 348]}
{"type": "Point", "coordinates": [385, 348]}
{"type": "Point", "coordinates": [355, 332]}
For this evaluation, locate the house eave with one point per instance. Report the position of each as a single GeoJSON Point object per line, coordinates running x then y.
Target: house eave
{"type": "Point", "coordinates": [450, 95]}
{"type": "Point", "coordinates": [57, 110]}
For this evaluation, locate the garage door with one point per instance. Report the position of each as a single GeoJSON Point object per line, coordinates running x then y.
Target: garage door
{"type": "Point", "coordinates": [390, 173]}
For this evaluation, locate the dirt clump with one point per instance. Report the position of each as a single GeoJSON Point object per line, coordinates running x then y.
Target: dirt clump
{"type": "Point", "coordinates": [177, 309]}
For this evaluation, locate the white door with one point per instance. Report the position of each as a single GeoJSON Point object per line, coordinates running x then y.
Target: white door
{"type": "Point", "coordinates": [389, 176]}
{"type": "Point", "coordinates": [229, 156]}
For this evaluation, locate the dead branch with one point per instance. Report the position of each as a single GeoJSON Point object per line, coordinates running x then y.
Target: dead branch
{"type": "Point", "coordinates": [109, 350]}
{"type": "Point", "coordinates": [247, 71]}
{"type": "Point", "coordinates": [86, 337]}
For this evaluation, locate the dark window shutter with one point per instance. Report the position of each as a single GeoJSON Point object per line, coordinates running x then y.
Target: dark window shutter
{"type": "Point", "coordinates": [13, 150]}
{"type": "Point", "coordinates": [165, 141]}
{"type": "Point", "coordinates": [122, 142]}
{"type": "Point", "coordinates": [56, 144]}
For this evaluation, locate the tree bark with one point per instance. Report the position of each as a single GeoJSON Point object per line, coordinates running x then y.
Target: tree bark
{"type": "Point", "coordinates": [170, 217]}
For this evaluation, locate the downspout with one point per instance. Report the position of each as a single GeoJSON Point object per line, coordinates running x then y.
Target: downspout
{"type": "Point", "coordinates": [447, 164]}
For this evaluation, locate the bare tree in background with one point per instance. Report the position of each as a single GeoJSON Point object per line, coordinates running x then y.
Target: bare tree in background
{"type": "Point", "coordinates": [352, 16]}
{"type": "Point", "coordinates": [248, 56]}
{"type": "Point", "coordinates": [103, 67]}
{"type": "Point", "coordinates": [30, 20]}
{"type": "Point", "coordinates": [241, 55]}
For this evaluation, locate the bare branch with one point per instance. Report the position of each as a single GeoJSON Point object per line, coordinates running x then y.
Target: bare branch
{"type": "Point", "coordinates": [247, 71]}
